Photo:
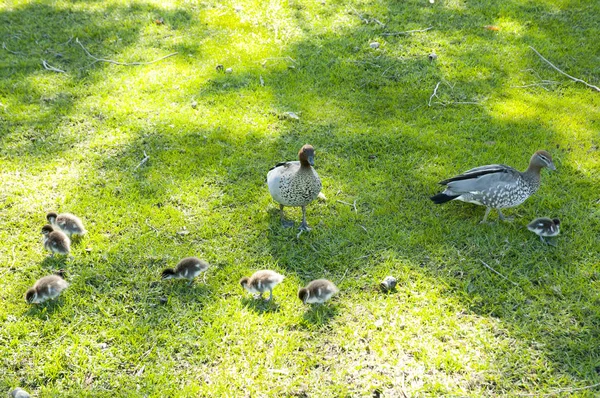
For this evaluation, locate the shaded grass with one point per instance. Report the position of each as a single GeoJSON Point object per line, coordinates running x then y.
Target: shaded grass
{"type": "Point", "coordinates": [71, 142]}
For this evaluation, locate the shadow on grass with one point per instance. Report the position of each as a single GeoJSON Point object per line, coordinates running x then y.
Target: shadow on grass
{"type": "Point", "coordinates": [320, 314]}
{"type": "Point", "coordinates": [261, 305]}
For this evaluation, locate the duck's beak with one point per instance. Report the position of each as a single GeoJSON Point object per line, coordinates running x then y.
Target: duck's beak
{"type": "Point", "coordinates": [311, 160]}
{"type": "Point", "coordinates": [551, 166]}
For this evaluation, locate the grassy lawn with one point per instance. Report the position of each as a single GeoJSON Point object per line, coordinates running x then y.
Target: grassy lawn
{"type": "Point", "coordinates": [73, 142]}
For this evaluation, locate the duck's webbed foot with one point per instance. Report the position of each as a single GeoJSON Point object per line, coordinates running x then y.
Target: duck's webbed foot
{"type": "Point", "coordinates": [503, 217]}
{"type": "Point", "coordinates": [285, 223]}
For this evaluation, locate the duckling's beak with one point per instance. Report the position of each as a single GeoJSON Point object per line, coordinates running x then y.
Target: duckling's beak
{"type": "Point", "coordinates": [311, 160]}
{"type": "Point", "coordinates": [551, 166]}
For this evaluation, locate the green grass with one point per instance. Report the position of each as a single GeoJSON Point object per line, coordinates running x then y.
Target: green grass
{"type": "Point", "coordinates": [71, 142]}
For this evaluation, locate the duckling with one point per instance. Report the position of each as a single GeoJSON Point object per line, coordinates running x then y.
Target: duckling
{"type": "Point", "coordinates": [19, 393]}
{"type": "Point", "coordinates": [261, 281]}
{"type": "Point", "coordinates": [318, 291]}
{"type": "Point", "coordinates": [187, 268]}
{"type": "Point", "coordinates": [67, 222]}
{"type": "Point", "coordinates": [295, 184]}
{"type": "Point", "coordinates": [544, 227]}
{"type": "Point", "coordinates": [55, 240]}
{"type": "Point", "coordinates": [46, 288]}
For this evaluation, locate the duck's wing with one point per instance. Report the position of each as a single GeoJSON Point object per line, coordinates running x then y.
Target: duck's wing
{"type": "Point", "coordinates": [483, 178]}
{"type": "Point", "coordinates": [479, 171]}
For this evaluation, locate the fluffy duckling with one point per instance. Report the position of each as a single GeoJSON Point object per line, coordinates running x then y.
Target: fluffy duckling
{"type": "Point", "coordinates": [19, 393]}
{"type": "Point", "coordinates": [67, 222]}
{"type": "Point", "coordinates": [187, 268]}
{"type": "Point", "coordinates": [496, 186]}
{"type": "Point", "coordinates": [262, 281]}
{"type": "Point", "coordinates": [295, 184]}
{"type": "Point", "coordinates": [544, 227]}
{"type": "Point", "coordinates": [318, 291]}
{"type": "Point", "coordinates": [55, 240]}
{"type": "Point", "coordinates": [46, 288]}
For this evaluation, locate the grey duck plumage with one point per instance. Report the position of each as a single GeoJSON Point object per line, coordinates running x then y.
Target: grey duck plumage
{"type": "Point", "coordinates": [187, 268]}
{"type": "Point", "coordinates": [261, 282]}
{"type": "Point", "coordinates": [67, 222]}
{"type": "Point", "coordinates": [46, 288]}
{"type": "Point", "coordinates": [55, 240]}
{"type": "Point", "coordinates": [544, 227]}
{"type": "Point", "coordinates": [496, 186]}
{"type": "Point", "coordinates": [317, 291]}
{"type": "Point", "coordinates": [19, 393]}
{"type": "Point", "coordinates": [295, 183]}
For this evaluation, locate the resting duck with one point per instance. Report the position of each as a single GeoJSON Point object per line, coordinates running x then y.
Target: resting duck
{"type": "Point", "coordinates": [55, 240]}
{"type": "Point", "coordinates": [262, 281]}
{"type": "Point", "coordinates": [46, 288]}
{"type": "Point", "coordinates": [318, 291]}
{"type": "Point", "coordinates": [19, 393]}
{"type": "Point", "coordinates": [68, 223]}
{"type": "Point", "coordinates": [496, 186]}
{"type": "Point", "coordinates": [187, 268]}
{"type": "Point", "coordinates": [295, 184]}
{"type": "Point", "coordinates": [544, 227]}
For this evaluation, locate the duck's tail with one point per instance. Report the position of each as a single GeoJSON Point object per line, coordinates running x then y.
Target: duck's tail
{"type": "Point", "coordinates": [442, 198]}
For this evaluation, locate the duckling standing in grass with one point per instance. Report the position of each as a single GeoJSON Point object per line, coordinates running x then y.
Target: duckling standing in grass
{"type": "Point", "coordinates": [187, 268]}
{"type": "Point", "coordinates": [295, 184]}
{"type": "Point", "coordinates": [318, 292]}
{"type": "Point", "coordinates": [46, 288]}
{"type": "Point", "coordinates": [55, 240]}
{"type": "Point", "coordinates": [545, 227]}
{"type": "Point", "coordinates": [68, 223]}
{"type": "Point", "coordinates": [496, 186]}
{"type": "Point", "coordinates": [262, 281]}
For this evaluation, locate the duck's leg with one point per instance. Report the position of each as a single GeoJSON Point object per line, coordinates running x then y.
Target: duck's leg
{"type": "Point", "coordinates": [487, 212]}
{"type": "Point", "coordinates": [191, 282]}
{"type": "Point", "coordinates": [270, 294]}
{"type": "Point", "coordinates": [285, 223]}
{"type": "Point", "coordinates": [304, 225]}
{"type": "Point", "coordinates": [503, 217]}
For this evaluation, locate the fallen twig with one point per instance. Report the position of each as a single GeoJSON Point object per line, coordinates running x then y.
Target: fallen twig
{"type": "Point", "coordinates": [364, 19]}
{"type": "Point", "coordinates": [406, 32]}
{"type": "Point", "coordinates": [349, 204]}
{"type": "Point", "coordinates": [540, 84]}
{"type": "Point", "coordinates": [343, 276]}
{"type": "Point", "coordinates": [559, 391]}
{"type": "Point", "coordinates": [566, 74]}
{"type": "Point", "coordinates": [10, 51]}
{"type": "Point", "coordinates": [363, 227]}
{"type": "Point", "coordinates": [434, 92]}
{"type": "Point", "coordinates": [146, 157]}
{"type": "Point", "coordinates": [498, 273]}
{"type": "Point", "coordinates": [96, 59]}
{"type": "Point", "coordinates": [47, 66]}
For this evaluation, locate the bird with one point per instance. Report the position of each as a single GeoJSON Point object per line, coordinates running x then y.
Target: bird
{"type": "Point", "coordinates": [19, 393]}
{"type": "Point", "coordinates": [187, 268]}
{"type": "Point", "coordinates": [262, 281]}
{"type": "Point", "coordinates": [295, 183]}
{"type": "Point", "coordinates": [318, 291]}
{"type": "Point", "coordinates": [545, 227]}
{"type": "Point", "coordinates": [46, 288]}
{"type": "Point", "coordinates": [496, 186]}
{"type": "Point", "coordinates": [55, 240]}
{"type": "Point", "coordinates": [67, 222]}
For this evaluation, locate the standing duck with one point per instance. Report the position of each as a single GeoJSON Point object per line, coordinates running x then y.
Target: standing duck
{"type": "Point", "coordinates": [46, 288]}
{"type": "Point", "coordinates": [318, 291]}
{"type": "Point", "coordinates": [261, 282]}
{"type": "Point", "coordinates": [496, 186]}
{"type": "Point", "coordinates": [545, 227]}
{"type": "Point", "coordinates": [187, 268]}
{"type": "Point", "coordinates": [295, 184]}
{"type": "Point", "coordinates": [55, 240]}
{"type": "Point", "coordinates": [68, 223]}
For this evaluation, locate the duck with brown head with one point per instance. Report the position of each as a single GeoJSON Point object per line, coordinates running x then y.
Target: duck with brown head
{"type": "Point", "coordinates": [56, 241]}
{"type": "Point", "coordinates": [496, 186]}
{"type": "Point", "coordinates": [261, 282]}
{"type": "Point", "coordinates": [295, 183]}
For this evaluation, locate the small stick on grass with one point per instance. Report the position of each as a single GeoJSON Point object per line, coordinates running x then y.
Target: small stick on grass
{"type": "Point", "coordinates": [146, 157]}
{"type": "Point", "coordinates": [47, 66]}
{"type": "Point", "coordinates": [96, 59]}
{"type": "Point", "coordinates": [434, 92]}
{"type": "Point", "coordinates": [498, 273]}
{"type": "Point", "coordinates": [563, 73]}
{"type": "Point", "coordinates": [10, 51]}
{"type": "Point", "coordinates": [406, 32]}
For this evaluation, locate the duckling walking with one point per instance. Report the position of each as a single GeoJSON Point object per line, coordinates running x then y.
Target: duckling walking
{"type": "Point", "coordinates": [55, 240]}
{"type": "Point", "coordinates": [67, 222]}
{"type": "Point", "coordinates": [46, 288]}
{"type": "Point", "coordinates": [318, 291]}
{"type": "Point", "coordinates": [545, 227]}
{"type": "Point", "coordinates": [262, 281]}
{"type": "Point", "coordinates": [188, 268]}
{"type": "Point", "coordinates": [295, 184]}
{"type": "Point", "coordinates": [496, 186]}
